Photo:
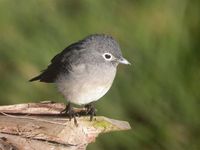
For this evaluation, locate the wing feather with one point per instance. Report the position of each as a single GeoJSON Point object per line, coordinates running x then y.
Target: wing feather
{"type": "Point", "coordinates": [61, 63]}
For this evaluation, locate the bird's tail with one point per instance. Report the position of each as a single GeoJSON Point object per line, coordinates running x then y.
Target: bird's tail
{"type": "Point", "coordinates": [35, 78]}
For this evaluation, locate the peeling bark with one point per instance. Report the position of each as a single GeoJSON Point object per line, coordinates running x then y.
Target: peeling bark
{"type": "Point", "coordinates": [40, 126]}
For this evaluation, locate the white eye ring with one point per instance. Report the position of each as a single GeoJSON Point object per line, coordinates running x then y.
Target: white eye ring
{"type": "Point", "coordinates": [107, 56]}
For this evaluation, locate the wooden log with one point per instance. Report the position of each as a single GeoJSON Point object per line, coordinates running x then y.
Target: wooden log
{"type": "Point", "coordinates": [40, 126]}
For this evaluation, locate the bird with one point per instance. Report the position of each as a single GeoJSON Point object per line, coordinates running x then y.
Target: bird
{"type": "Point", "coordinates": [84, 71]}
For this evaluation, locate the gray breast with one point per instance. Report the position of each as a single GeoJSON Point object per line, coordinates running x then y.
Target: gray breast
{"type": "Point", "coordinates": [86, 83]}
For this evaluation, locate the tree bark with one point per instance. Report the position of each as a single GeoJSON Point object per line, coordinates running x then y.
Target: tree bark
{"type": "Point", "coordinates": [40, 126]}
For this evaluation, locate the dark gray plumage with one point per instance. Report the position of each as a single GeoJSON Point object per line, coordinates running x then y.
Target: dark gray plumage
{"type": "Point", "coordinates": [85, 70]}
{"type": "Point", "coordinates": [72, 54]}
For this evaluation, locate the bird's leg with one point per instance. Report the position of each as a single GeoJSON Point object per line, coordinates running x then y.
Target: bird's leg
{"type": "Point", "coordinates": [69, 111]}
{"type": "Point", "coordinates": [90, 110]}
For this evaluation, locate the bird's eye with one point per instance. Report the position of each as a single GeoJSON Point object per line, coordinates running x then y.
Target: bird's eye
{"type": "Point", "coordinates": [107, 56]}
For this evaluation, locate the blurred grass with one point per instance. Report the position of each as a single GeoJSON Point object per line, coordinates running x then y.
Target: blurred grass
{"type": "Point", "coordinates": [159, 94]}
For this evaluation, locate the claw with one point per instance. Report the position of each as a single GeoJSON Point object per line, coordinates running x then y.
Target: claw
{"type": "Point", "coordinates": [69, 111]}
{"type": "Point", "coordinates": [90, 110]}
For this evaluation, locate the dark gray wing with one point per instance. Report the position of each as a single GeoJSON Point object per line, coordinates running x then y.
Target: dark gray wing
{"type": "Point", "coordinates": [59, 64]}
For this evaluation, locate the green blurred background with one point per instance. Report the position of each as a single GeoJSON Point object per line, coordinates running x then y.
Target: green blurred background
{"type": "Point", "coordinates": [159, 94]}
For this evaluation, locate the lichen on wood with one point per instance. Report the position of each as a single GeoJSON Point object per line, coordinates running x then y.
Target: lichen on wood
{"type": "Point", "coordinates": [40, 126]}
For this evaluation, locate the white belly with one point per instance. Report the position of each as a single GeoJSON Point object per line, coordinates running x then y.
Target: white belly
{"type": "Point", "coordinates": [85, 96]}
{"type": "Point", "coordinates": [81, 90]}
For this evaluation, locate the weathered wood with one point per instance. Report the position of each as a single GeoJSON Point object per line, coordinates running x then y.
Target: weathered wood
{"type": "Point", "coordinates": [40, 126]}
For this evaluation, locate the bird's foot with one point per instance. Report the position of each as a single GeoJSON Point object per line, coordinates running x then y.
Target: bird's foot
{"type": "Point", "coordinates": [69, 111]}
{"type": "Point", "coordinates": [90, 110]}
